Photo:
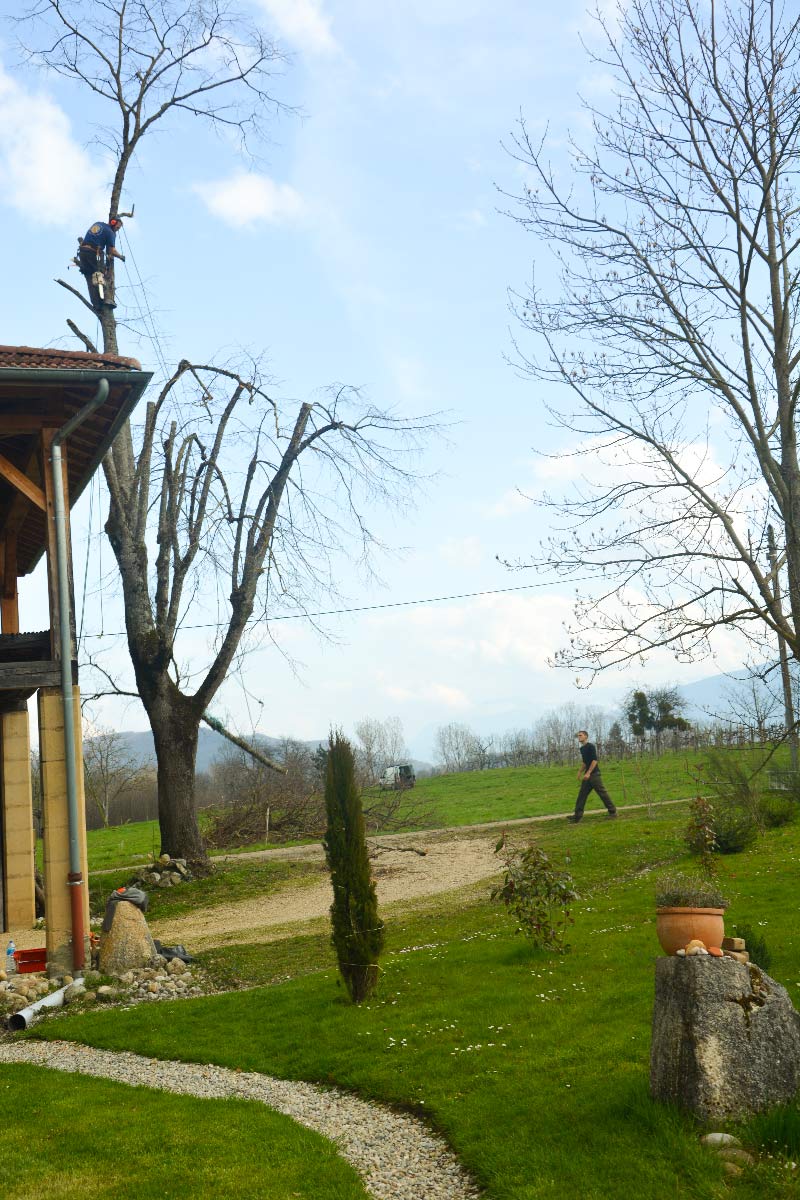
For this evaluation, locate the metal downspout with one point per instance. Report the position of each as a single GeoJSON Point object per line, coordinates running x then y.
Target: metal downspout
{"type": "Point", "coordinates": [60, 504]}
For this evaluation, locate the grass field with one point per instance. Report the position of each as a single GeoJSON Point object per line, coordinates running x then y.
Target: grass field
{"type": "Point", "coordinates": [534, 1066]}
{"type": "Point", "coordinates": [467, 799]}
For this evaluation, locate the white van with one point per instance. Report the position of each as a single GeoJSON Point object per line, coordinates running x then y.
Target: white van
{"type": "Point", "coordinates": [398, 778]}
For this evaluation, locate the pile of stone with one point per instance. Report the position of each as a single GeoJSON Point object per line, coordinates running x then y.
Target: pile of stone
{"type": "Point", "coordinates": [732, 947]}
{"type": "Point", "coordinates": [165, 872]}
{"type": "Point", "coordinates": [165, 980]}
{"type": "Point", "coordinates": [734, 1157]}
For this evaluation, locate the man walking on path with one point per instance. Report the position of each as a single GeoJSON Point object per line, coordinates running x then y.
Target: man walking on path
{"type": "Point", "coordinates": [590, 777]}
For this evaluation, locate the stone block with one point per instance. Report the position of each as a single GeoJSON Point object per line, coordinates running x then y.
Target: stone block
{"type": "Point", "coordinates": [726, 1039]}
{"type": "Point", "coordinates": [128, 944]}
{"type": "Point", "coordinates": [733, 943]}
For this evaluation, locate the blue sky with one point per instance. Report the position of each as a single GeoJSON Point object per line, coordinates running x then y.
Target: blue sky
{"type": "Point", "coordinates": [368, 246]}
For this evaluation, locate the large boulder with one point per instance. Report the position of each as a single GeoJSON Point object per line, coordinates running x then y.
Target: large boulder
{"type": "Point", "coordinates": [128, 944]}
{"type": "Point", "coordinates": [726, 1039]}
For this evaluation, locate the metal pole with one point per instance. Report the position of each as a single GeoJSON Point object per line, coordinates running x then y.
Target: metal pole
{"type": "Point", "coordinates": [60, 505]}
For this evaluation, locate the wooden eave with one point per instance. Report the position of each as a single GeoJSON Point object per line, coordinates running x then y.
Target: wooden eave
{"type": "Point", "coordinates": [36, 398]}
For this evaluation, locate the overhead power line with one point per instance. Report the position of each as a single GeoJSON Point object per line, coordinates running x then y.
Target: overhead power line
{"type": "Point", "coordinates": [339, 612]}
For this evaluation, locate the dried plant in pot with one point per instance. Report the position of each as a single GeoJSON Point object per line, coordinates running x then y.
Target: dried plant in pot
{"type": "Point", "coordinates": [688, 907]}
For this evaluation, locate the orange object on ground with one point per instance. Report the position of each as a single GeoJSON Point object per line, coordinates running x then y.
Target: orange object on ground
{"type": "Point", "coordinates": [29, 961]}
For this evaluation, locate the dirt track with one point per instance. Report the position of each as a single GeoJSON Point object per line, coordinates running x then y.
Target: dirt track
{"type": "Point", "coordinates": [449, 863]}
{"type": "Point", "coordinates": [454, 858]}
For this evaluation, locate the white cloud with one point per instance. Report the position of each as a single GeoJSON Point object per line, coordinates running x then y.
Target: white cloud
{"type": "Point", "coordinates": [247, 199]}
{"type": "Point", "coordinates": [462, 552]}
{"type": "Point", "coordinates": [303, 23]}
{"type": "Point", "coordinates": [44, 173]}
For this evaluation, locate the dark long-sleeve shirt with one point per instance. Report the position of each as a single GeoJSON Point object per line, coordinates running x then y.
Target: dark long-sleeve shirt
{"type": "Point", "coordinates": [589, 754]}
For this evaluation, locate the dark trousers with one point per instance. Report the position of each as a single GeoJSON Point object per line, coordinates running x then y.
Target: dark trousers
{"type": "Point", "coordinates": [89, 262]}
{"type": "Point", "coordinates": [595, 781]}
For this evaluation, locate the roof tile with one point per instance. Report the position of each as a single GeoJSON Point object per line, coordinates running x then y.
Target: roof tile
{"type": "Point", "coordinates": [15, 357]}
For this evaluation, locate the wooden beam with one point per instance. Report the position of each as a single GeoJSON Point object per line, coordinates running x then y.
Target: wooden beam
{"type": "Point", "coordinates": [19, 480]}
{"type": "Point", "coordinates": [9, 600]}
{"type": "Point", "coordinates": [17, 675]}
{"type": "Point", "coordinates": [12, 424]}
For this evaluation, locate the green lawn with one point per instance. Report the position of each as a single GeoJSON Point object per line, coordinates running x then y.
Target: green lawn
{"type": "Point", "coordinates": [512, 792]}
{"type": "Point", "coordinates": [535, 1067]}
{"type": "Point", "coordinates": [96, 1140]}
{"type": "Point", "coordinates": [472, 798]}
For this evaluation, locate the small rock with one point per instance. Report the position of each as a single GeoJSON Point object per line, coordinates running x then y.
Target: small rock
{"type": "Point", "coordinates": [153, 987]}
{"type": "Point", "coordinates": [3, 976]}
{"type": "Point", "coordinates": [187, 978]}
{"type": "Point", "coordinates": [719, 1139]}
{"type": "Point", "coordinates": [692, 951]}
{"type": "Point", "coordinates": [126, 978]}
{"type": "Point", "coordinates": [715, 951]}
{"type": "Point", "coordinates": [105, 991]}
{"type": "Point", "coordinates": [176, 967]}
{"type": "Point", "coordinates": [681, 953]}
{"type": "Point", "coordinates": [154, 877]}
{"type": "Point", "coordinates": [180, 867]}
{"type": "Point", "coordinates": [73, 991]}
{"type": "Point", "coordinates": [734, 1154]}
{"type": "Point", "coordinates": [733, 943]}
{"type": "Point", "coordinates": [731, 1168]}
{"type": "Point", "coordinates": [740, 956]}
{"type": "Point", "coordinates": [165, 860]}
{"type": "Point", "coordinates": [90, 996]}
{"type": "Point", "coordinates": [68, 979]}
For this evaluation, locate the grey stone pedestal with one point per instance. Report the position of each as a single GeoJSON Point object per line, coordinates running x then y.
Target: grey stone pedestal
{"type": "Point", "coordinates": [726, 1039]}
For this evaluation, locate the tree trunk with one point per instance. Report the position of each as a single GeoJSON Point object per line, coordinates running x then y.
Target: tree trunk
{"type": "Point", "coordinates": [175, 726]}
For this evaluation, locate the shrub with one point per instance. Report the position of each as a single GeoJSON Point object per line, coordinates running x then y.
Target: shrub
{"type": "Point", "coordinates": [756, 944]}
{"type": "Point", "coordinates": [777, 810]}
{"type": "Point", "coordinates": [677, 890]}
{"type": "Point", "coordinates": [357, 935]}
{"type": "Point", "coordinates": [735, 828]}
{"type": "Point", "coordinates": [538, 894]}
{"type": "Point", "coordinates": [735, 791]}
{"type": "Point", "coordinates": [701, 837]}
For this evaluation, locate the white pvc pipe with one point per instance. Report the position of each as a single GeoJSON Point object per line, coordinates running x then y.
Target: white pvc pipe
{"type": "Point", "coordinates": [25, 1017]}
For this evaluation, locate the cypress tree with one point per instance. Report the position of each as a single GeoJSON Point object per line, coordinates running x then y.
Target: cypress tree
{"type": "Point", "coordinates": [357, 934]}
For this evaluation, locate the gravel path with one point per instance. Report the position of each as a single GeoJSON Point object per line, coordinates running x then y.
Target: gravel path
{"type": "Point", "coordinates": [397, 1157]}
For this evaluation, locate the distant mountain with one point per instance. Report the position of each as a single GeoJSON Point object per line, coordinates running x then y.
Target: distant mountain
{"type": "Point", "coordinates": [210, 746]}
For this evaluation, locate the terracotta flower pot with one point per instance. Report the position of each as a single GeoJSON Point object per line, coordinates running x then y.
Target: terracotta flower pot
{"type": "Point", "coordinates": [675, 927]}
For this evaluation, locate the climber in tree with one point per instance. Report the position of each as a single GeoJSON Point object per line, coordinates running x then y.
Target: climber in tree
{"type": "Point", "coordinates": [96, 249]}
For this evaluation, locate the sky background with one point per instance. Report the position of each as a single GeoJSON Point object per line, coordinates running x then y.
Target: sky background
{"type": "Point", "coordinates": [371, 245]}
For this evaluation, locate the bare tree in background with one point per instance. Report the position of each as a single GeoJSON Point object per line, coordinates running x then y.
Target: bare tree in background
{"type": "Point", "coordinates": [674, 330]}
{"type": "Point", "coordinates": [109, 769]}
{"type": "Point", "coordinates": [246, 499]}
{"type": "Point", "coordinates": [458, 748]}
{"type": "Point", "coordinates": [379, 745]}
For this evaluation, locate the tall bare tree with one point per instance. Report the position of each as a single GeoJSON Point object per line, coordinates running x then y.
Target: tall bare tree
{"type": "Point", "coordinates": [672, 331]}
{"type": "Point", "coordinates": [109, 769]}
{"type": "Point", "coordinates": [208, 501]}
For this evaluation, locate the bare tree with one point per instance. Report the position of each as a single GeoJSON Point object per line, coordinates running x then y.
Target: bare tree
{"type": "Point", "coordinates": [109, 769]}
{"type": "Point", "coordinates": [247, 500]}
{"type": "Point", "coordinates": [458, 747]}
{"type": "Point", "coordinates": [518, 748]}
{"type": "Point", "coordinates": [260, 803]}
{"type": "Point", "coordinates": [380, 743]}
{"type": "Point", "coordinates": [674, 329]}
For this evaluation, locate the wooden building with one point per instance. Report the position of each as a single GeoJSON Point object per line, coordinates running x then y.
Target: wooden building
{"type": "Point", "coordinates": [62, 407]}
